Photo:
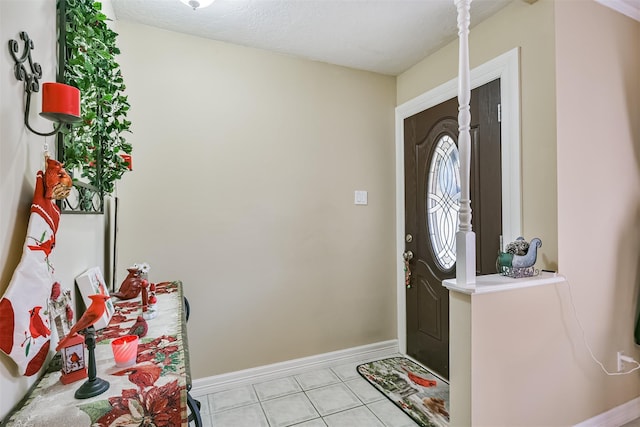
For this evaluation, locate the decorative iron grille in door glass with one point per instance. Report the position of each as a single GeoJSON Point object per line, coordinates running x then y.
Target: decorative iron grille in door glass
{"type": "Point", "coordinates": [443, 201]}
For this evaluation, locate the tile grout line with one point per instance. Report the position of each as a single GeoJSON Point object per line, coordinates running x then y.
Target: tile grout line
{"type": "Point", "coordinates": [253, 386]}
{"type": "Point", "coordinates": [342, 380]}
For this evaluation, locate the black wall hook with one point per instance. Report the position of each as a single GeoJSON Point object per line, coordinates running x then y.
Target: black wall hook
{"type": "Point", "coordinates": [31, 76]}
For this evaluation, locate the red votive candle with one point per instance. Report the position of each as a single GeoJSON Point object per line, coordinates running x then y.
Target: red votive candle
{"type": "Point", "coordinates": [125, 350]}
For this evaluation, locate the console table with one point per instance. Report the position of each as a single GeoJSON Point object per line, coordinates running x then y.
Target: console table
{"type": "Point", "coordinates": [154, 391]}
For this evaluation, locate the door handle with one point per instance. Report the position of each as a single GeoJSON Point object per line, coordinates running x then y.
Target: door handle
{"type": "Point", "coordinates": [407, 255]}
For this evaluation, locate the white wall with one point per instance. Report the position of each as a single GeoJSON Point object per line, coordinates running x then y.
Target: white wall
{"type": "Point", "coordinates": [245, 165]}
{"type": "Point", "coordinates": [80, 239]}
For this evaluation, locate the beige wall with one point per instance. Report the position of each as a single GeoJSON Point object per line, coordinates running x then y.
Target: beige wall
{"type": "Point", "coordinates": [531, 28]}
{"type": "Point", "coordinates": [245, 166]}
{"type": "Point", "coordinates": [80, 239]}
{"type": "Point", "coordinates": [598, 103]}
{"type": "Point", "coordinates": [529, 364]}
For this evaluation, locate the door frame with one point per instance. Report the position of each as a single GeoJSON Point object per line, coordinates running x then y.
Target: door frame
{"type": "Point", "coordinates": [506, 67]}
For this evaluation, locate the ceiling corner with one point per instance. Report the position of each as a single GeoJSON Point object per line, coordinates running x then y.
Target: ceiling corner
{"type": "Point", "coordinates": [631, 8]}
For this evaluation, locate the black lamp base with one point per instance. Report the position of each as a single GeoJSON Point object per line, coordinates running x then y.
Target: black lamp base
{"type": "Point", "coordinates": [94, 385]}
{"type": "Point", "coordinates": [91, 387]}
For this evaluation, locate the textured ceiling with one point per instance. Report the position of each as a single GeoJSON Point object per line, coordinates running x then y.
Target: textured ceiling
{"type": "Point", "coordinates": [384, 36]}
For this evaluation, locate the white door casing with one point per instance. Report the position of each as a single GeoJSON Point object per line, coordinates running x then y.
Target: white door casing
{"type": "Point", "coordinates": [506, 68]}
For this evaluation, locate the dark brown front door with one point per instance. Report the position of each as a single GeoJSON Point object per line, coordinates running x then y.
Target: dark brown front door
{"type": "Point", "coordinates": [432, 196]}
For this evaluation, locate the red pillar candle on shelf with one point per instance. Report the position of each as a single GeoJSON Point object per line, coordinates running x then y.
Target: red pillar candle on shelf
{"type": "Point", "coordinates": [60, 102]}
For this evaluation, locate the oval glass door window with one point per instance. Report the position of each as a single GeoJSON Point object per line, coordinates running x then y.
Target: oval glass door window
{"type": "Point", "coordinates": [443, 201]}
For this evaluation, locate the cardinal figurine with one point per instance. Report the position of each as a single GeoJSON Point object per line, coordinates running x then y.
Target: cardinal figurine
{"type": "Point", "coordinates": [91, 316]}
{"type": "Point", "coordinates": [139, 328]}
{"type": "Point", "coordinates": [131, 286]}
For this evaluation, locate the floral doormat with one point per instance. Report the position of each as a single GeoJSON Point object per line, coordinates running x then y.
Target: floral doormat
{"type": "Point", "coordinates": [415, 390]}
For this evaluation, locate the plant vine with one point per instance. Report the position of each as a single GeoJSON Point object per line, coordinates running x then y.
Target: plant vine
{"type": "Point", "coordinates": [94, 147]}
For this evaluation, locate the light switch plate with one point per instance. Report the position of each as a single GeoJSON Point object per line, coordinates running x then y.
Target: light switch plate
{"type": "Point", "coordinates": [360, 197]}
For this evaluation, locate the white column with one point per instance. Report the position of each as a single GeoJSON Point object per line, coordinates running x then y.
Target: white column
{"type": "Point", "coordinates": [465, 237]}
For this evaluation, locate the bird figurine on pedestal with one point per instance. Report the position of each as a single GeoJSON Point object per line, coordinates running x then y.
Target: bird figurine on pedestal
{"type": "Point", "coordinates": [91, 316]}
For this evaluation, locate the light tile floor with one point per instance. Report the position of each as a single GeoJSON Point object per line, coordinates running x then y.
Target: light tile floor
{"type": "Point", "coordinates": [336, 396]}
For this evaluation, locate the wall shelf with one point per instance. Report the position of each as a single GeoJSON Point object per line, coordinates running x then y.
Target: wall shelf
{"type": "Point", "coordinates": [498, 283]}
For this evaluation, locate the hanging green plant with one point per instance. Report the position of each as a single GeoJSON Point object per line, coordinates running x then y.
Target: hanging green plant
{"type": "Point", "coordinates": [94, 147]}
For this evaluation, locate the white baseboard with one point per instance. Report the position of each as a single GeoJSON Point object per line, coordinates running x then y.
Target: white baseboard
{"type": "Point", "coordinates": [616, 417]}
{"type": "Point", "coordinates": [204, 386]}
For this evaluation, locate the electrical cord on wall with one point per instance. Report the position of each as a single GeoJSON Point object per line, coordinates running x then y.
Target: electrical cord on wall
{"type": "Point", "coordinates": [584, 338]}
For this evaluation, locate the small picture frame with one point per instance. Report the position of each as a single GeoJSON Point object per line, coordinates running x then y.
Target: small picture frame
{"type": "Point", "coordinates": [92, 282]}
{"type": "Point", "coordinates": [59, 312]}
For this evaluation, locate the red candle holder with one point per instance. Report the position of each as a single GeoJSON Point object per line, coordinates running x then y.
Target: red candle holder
{"type": "Point", "coordinates": [125, 350]}
{"type": "Point", "coordinates": [60, 102]}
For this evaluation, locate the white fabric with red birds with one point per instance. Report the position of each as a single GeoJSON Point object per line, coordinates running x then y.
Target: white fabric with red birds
{"type": "Point", "coordinates": [25, 328]}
